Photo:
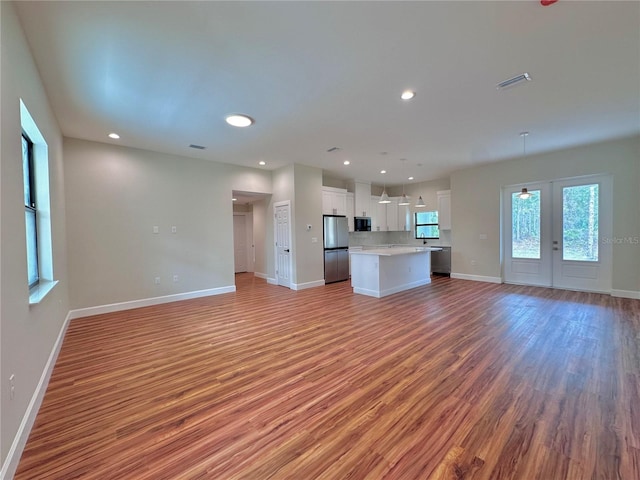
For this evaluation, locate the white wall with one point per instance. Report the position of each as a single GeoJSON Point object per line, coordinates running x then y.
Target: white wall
{"type": "Point", "coordinates": [260, 219]}
{"type": "Point", "coordinates": [27, 334]}
{"type": "Point", "coordinates": [309, 255]}
{"type": "Point", "coordinates": [476, 192]}
{"type": "Point", "coordinates": [302, 186]}
{"type": "Point", "coordinates": [115, 197]}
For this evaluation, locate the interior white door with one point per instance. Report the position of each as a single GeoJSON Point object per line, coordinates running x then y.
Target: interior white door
{"type": "Point", "coordinates": [581, 223]}
{"type": "Point", "coordinates": [283, 241]}
{"type": "Point", "coordinates": [240, 243]}
{"type": "Point", "coordinates": [555, 237]}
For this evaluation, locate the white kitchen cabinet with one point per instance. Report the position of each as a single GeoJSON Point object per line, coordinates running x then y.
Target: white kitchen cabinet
{"type": "Point", "coordinates": [334, 201]}
{"type": "Point", "coordinates": [444, 209]}
{"type": "Point", "coordinates": [392, 215]}
{"type": "Point", "coordinates": [404, 217]}
{"type": "Point", "coordinates": [362, 198]}
{"type": "Point", "coordinates": [379, 215]}
{"type": "Point", "coordinates": [350, 210]}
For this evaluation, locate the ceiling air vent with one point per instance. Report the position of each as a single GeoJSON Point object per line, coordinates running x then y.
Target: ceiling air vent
{"type": "Point", "coordinates": [513, 81]}
{"type": "Point", "coordinates": [333, 149]}
{"type": "Point", "coordinates": [197, 147]}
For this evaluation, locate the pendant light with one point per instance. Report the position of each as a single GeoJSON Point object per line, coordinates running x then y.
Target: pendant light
{"type": "Point", "coordinates": [404, 200]}
{"type": "Point", "coordinates": [420, 203]}
{"type": "Point", "coordinates": [384, 198]}
{"type": "Point", "coordinates": [524, 193]}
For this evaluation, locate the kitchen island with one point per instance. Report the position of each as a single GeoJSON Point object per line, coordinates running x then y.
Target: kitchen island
{"type": "Point", "coordinates": [384, 271]}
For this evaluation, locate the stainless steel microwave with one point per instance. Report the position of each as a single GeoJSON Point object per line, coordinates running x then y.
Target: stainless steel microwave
{"type": "Point", "coordinates": [362, 224]}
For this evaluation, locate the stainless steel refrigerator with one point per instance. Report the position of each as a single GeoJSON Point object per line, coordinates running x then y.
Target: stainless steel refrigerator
{"type": "Point", "coordinates": [336, 248]}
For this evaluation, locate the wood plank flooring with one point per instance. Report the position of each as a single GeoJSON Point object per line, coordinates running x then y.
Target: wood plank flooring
{"type": "Point", "coordinates": [453, 380]}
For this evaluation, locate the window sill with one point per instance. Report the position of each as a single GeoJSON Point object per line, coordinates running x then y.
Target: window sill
{"type": "Point", "coordinates": [37, 293]}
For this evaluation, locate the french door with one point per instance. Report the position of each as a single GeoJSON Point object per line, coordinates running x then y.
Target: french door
{"type": "Point", "coordinates": [555, 237]}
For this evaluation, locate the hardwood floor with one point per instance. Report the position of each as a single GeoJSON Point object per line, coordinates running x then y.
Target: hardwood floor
{"type": "Point", "coordinates": [453, 380]}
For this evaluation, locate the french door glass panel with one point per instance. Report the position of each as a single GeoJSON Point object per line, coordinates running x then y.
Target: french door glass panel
{"type": "Point", "coordinates": [580, 223]}
{"type": "Point", "coordinates": [525, 225]}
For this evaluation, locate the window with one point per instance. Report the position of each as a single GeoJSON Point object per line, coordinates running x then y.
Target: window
{"type": "Point", "coordinates": [427, 225]}
{"type": "Point", "coordinates": [37, 207]}
{"type": "Point", "coordinates": [30, 210]}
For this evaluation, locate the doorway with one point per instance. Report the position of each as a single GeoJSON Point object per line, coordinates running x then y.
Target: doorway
{"type": "Point", "coordinates": [282, 229]}
{"type": "Point", "coordinates": [554, 238]}
{"type": "Point", "coordinates": [241, 249]}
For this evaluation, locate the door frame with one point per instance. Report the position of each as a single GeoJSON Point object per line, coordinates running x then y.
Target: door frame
{"type": "Point", "coordinates": [284, 203]}
{"type": "Point", "coordinates": [552, 255]}
{"type": "Point", "coordinates": [250, 245]}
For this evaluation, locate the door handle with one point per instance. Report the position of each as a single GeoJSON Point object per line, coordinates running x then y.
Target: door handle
{"type": "Point", "coordinates": [287, 250]}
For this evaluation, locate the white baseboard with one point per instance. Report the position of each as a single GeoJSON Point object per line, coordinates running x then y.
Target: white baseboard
{"type": "Point", "coordinates": [303, 286]}
{"type": "Point", "coordinates": [260, 275]}
{"type": "Point", "coordinates": [10, 464]}
{"type": "Point", "coordinates": [476, 278]}
{"type": "Point", "coordinates": [391, 291]}
{"type": "Point", "coordinates": [146, 302]}
{"type": "Point", "coordinates": [272, 281]}
{"type": "Point", "coordinates": [625, 294]}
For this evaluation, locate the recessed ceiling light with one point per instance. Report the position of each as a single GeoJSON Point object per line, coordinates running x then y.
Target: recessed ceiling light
{"type": "Point", "coordinates": [346, 162]}
{"type": "Point", "coordinates": [410, 178]}
{"type": "Point", "coordinates": [383, 171]}
{"type": "Point", "coordinates": [407, 95]}
{"type": "Point", "coordinates": [262, 162]}
{"type": "Point", "coordinates": [234, 199]}
{"type": "Point", "coordinates": [115, 136]}
{"type": "Point", "coordinates": [239, 120]}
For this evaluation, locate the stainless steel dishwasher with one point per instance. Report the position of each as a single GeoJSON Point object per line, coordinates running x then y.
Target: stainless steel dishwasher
{"type": "Point", "coordinates": [441, 261]}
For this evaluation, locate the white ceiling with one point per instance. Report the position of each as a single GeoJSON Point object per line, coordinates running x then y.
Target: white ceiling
{"type": "Point", "coordinates": [315, 75]}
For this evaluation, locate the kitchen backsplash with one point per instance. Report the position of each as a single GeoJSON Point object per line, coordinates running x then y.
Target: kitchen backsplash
{"type": "Point", "coordinates": [386, 238]}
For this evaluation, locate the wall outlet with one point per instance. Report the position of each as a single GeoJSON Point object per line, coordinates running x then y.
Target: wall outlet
{"type": "Point", "coordinates": [156, 229]}
{"type": "Point", "coordinates": [474, 263]}
{"type": "Point", "coordinates": [12, 386]}
{"type": "Point", "coordinates": [314, 239]}
{"type": "Point", "coordinates": [157, 281]}
{"type": "Point", "coordinates": [175, 278]}
{"type": "Point", "coordinates": [483, 236]}
{"type": "Point", "coordinates": [174, 229]}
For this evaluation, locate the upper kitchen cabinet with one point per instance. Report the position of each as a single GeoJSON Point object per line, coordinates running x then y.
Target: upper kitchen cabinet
{"type": "Point", "coordinates": [363, 205]}
{"type": "Point", "coordinates": [404, 217]}
{"type": "Point", "coordinates": [334, 201]}
{"type": "Point", "coordinates": [444, 209]}
{"type": "Point", "coordinates": [351, 210]}
{"type": "Point", "coordinates": [390, 217]}
{"type": "Point", "coordinates": [378, 215]}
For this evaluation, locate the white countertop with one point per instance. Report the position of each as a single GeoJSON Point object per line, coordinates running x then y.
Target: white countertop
{"type": "Point", "coordinates": [389, 252]}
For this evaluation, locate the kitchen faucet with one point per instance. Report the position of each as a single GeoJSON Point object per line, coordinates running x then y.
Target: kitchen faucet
{"type": "Point", "coordinates": [424, 240]}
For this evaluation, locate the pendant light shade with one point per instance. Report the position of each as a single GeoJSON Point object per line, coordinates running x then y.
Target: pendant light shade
{"type": "Point", "coordinates": [404, 200]}
{"type": "Point", "coordinates": [524, 194]}
{"type": "Point", "coordinates": [384, 198]}
{"type": "Point", "coordinates": [420, 203]}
